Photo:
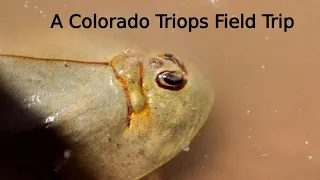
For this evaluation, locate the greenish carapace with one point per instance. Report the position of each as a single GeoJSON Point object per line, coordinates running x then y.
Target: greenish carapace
{"type": "Point", "coordinates": [124, 117]}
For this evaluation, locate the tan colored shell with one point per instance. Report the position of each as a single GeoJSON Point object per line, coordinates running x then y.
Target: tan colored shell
{"type": "Point", "coordinates": [119, 122]}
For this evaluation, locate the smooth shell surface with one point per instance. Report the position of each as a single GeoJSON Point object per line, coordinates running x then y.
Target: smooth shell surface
{"type": "Point", "coordinates": [124, 117]}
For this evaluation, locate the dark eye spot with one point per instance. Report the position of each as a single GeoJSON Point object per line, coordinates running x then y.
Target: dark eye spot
{"type": "Point", "coordinates": [156, 63]}
{"type": "Point", "coordinates": [175, 60]}
{"type": "Point", "coordinates": [172, 80]}
{"type": "Point", "coordinates": [168, 55]}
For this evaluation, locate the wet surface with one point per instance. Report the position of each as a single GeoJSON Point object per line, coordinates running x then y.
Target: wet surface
{"type": "Point", "coordinates": [265, 121]}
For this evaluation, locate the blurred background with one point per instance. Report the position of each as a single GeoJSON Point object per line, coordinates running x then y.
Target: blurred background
{"type": "Point", "coordinates": [265, 124]}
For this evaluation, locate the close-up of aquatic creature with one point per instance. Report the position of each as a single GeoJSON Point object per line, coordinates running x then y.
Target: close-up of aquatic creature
{"type": "Point", "coordinates": [123, 117]}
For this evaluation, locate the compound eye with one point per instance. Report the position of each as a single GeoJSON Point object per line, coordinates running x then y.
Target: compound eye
{"type": "Point", "coordinates": [172, 80]}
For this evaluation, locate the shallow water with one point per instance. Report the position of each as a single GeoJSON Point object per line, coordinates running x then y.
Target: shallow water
{"type": "Point", "coordinates": [265, 121]}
